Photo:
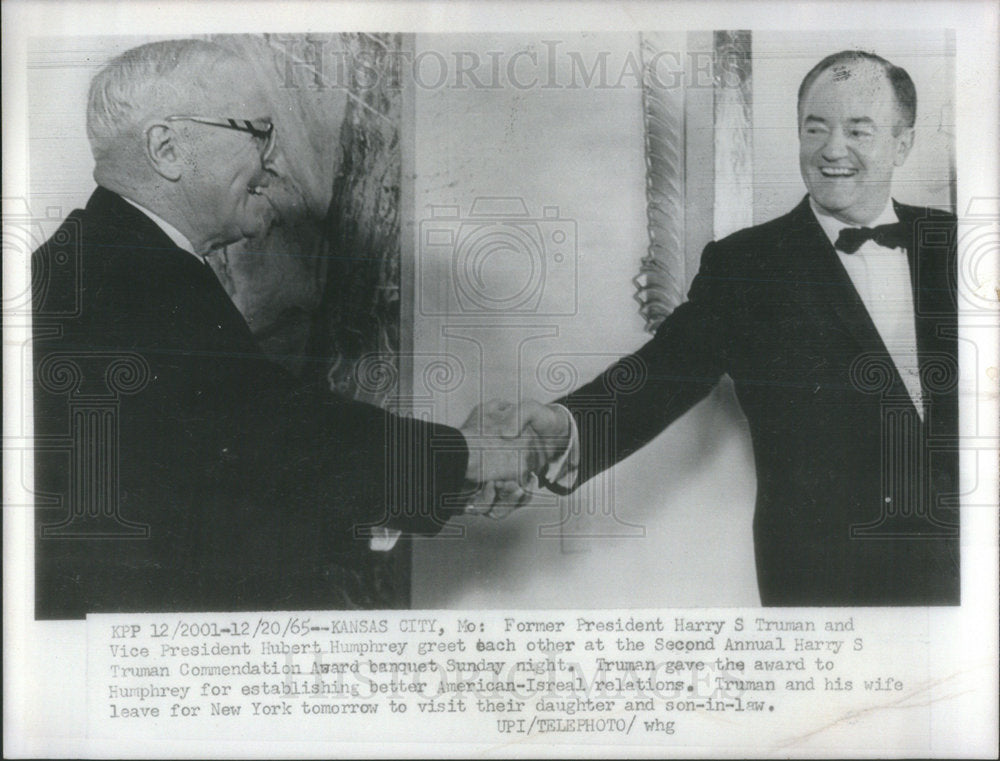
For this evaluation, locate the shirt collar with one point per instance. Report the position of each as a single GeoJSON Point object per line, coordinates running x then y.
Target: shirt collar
{"type": "Point", "coordinates": [832, 226]}
{"type": "Point", "coordinates": [178, 238]}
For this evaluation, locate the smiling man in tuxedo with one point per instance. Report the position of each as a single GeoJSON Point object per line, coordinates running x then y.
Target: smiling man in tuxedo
{"type": "Point", "coordinates": [176, 467]}
{"type": "Point", "coordinates": [837, 323]}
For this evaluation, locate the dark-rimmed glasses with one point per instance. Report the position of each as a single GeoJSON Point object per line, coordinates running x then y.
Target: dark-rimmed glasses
{"type": "Point", "coordinates": [262, 131]}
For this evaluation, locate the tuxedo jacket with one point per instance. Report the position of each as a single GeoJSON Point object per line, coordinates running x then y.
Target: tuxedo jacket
{"type": "Point", "coordinates": [176, 467]}
{"type": "Point", "coordinates": [856, 493]}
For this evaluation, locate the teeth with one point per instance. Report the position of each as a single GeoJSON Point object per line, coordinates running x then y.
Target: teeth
{"type": "Point", "coordinates": [836, 172]}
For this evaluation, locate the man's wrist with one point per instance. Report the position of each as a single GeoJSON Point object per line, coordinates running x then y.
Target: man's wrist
{"type": "Point", "coordinates": [565, 438]}
{"type": "Point", "coordinates": [561, 467]}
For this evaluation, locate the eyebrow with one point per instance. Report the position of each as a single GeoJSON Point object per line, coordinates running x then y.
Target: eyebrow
{"type": "Point", "coordinates": [855, 120]}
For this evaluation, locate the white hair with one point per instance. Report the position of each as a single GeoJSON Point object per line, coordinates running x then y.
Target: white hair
{"type": "Point", "coordinates": [135, 84]}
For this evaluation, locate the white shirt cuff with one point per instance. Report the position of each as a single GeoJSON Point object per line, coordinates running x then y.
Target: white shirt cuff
{"type": "Point", "coordinates": [383, 539]}
{"type": "Point", "coordinates": [563, 470]}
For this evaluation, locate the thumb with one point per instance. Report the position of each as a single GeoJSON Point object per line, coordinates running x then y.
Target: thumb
{"type": "Point", "coordinates": [543, 419]}
{"type": "Point", "coordinates": [526, 417]}
{"type": "Point", "coordinates": [506, 418]}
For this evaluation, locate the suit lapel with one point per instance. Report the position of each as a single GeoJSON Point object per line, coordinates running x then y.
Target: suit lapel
{"type": "Point", "coordinates": [830, 293]}
{"type": "Point", "coordinates": [931, 255]}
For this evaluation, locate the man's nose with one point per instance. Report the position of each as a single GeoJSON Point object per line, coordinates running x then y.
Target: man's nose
{"type": "Point", "coordinates": [835, 146]}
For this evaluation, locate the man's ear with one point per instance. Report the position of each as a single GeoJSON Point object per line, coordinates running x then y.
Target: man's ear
{"type": "Point", "coordinates": [904, 142]}
{"type": "Point", "coordinates": [162, 150]}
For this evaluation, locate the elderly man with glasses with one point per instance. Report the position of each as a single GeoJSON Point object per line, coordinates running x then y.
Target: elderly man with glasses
{"type": "Point", "coordinates": [186, 471]}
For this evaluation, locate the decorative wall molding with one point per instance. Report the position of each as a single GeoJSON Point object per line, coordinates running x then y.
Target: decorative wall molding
{"type": "Point", "coordinates": [660, 283]}
{"type": "Point", "coordinates": [670, 107]}
{"type": "Point", "coordinates": [733, 83]}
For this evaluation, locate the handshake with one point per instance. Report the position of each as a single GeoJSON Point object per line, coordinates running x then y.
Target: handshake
{"type": "Point", "coordinates": [509, 445]}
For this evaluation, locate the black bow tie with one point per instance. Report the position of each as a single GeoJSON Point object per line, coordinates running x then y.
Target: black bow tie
{"type": "Point", "coordinates": [890, 236]}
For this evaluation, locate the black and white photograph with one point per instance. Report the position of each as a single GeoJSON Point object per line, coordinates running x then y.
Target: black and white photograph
{"type": "Point", "coordinates": [400, 357]}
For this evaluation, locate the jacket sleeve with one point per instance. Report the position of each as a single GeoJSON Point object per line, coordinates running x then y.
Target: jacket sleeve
{"type": "Point", "coordinates": [636, 398]}
{"type": "Point", "coordinates": [354, 466]}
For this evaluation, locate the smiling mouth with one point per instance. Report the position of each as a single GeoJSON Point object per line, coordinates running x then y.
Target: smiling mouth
{"type": "Point", "coordinates": [833, 172]}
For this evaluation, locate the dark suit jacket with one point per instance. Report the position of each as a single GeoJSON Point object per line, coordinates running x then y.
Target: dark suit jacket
{"type": "Point", "coordinates": [176, 467]}
{"type": "Point", "coordinates": [856, 496]}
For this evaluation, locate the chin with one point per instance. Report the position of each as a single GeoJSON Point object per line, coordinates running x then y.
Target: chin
{"type": "Point", "coordinates": [831, 205]}
{"type": "Point", "coordinates": [833, 200]}
{"type": "Point", "coordinates": [258, 229]}
{"type": "Point", "coordinates": [259, 220]}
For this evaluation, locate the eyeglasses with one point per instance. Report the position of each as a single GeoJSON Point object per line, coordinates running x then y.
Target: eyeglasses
{"type": "Point", "coordinates": [262, 131]}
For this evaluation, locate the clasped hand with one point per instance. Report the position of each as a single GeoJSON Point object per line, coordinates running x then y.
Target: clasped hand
{"type": "Point", "coordinates": [508, 445]}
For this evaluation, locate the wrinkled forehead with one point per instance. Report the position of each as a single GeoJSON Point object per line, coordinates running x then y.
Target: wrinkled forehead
{"type": "Point", "coordinates": [229, 88]}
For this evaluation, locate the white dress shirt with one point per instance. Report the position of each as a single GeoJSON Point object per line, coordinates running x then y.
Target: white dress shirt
{"type": "Point", "coordinates": [881, 276]}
